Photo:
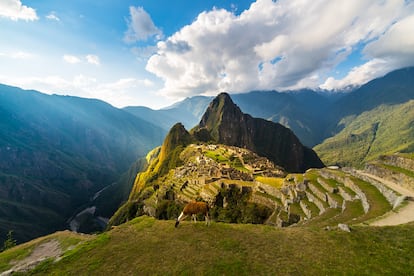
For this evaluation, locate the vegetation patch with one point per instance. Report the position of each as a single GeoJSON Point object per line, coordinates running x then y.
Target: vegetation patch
{"type": "Point", "coordinates": [276, 182]}
{"type": "Point", "coordinates": [149, 246]}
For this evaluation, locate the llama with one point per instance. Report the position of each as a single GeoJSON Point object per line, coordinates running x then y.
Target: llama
{"type": "Point", "coordinates": [194, 208]}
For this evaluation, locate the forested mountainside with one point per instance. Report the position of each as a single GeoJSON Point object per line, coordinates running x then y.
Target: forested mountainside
{"type": "Point", "coordinates": [57, 152]}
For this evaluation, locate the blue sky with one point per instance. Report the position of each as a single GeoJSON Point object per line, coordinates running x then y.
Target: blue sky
{"type": "Point", "coordinates": [154, 53]}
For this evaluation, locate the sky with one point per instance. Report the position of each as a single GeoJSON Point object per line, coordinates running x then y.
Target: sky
{"type": "Point", "coordinates": [154, 53]}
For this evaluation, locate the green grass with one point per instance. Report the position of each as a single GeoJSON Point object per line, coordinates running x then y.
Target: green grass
{"type": "Point", "coordinates": [217, 156]}
{"type": "Point", "coordinates": [276, 182]}
{"type": "Point", "coordinates": [384, 130]}
{"type": "Point", "coordinates": [145, 246]}
{"type": "Point", "coordinates": [66, 240]}
{"type": "Point", "coordinates": [397, 169]}
{"type": "Point", "coordinates": [378, 203]}
{"type": "Point", "coordinates": [221, 156]}
{"type": "Point", "coordinates": [275, 199]}
{"type": "Point", "coordinates": [312, 207]}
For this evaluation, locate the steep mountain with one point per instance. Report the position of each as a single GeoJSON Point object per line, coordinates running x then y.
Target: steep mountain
{"type": "Point", "coordinates": [374, 119]}
{"type": "Point", "coordinates": [383, 130]}
{"type": "Point", "coordinates": [57, 152]}
{"type": "Point", "coordinates": [224, 123]}
{"type": "Point", "coordinates": [188, 112]}
{"type": "Point", "coordinates": [304, 112]}
{"type": "Point", "coordinates": [226, 146]}
{"type": "Point", "coordinates": [396, 87]}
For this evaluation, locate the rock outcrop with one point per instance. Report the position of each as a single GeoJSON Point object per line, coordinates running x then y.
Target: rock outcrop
{"type": "Point", "coordinates": [224, 123]}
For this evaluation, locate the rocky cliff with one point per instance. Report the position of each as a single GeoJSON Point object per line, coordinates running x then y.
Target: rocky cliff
{"type": "Point", "coordinates": [224, 123]}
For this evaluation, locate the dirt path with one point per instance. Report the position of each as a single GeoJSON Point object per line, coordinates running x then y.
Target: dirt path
{"type": "Point", "coordinates": [401, 215]}
{"type": "Point", "coordinates": [40, 253]}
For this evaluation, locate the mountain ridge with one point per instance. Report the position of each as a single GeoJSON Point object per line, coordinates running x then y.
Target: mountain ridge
{"type": "Point", "coordinates": [57, 152]}
{"type": "Point", "coordinates": [228, 125]}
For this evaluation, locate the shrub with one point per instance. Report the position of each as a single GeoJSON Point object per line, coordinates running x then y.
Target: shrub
{"type": "Point", "coordinates": [9, 242]}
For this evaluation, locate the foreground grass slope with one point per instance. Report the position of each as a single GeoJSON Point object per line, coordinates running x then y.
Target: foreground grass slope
{"type": "Point", "coordinates": [148, 246]}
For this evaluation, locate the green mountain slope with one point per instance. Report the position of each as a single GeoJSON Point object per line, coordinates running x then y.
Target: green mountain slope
{"type": "Point", "coordinates": [226, 147]}
{"type": "Point", "coordinates": [383, 130]}
{"type": "Point", "coordinates": [146, 246]}
{"type": "Point", "coordinates": [57, 152]}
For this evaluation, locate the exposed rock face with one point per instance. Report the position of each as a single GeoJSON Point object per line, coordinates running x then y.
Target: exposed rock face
{"type": "Point", "coordinates": [225, 123]}
{"type": "Point", "coordinates": [344, 227]}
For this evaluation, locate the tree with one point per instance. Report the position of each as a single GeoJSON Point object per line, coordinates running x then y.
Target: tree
{"type": "Point", "coordinates": [9, 242]}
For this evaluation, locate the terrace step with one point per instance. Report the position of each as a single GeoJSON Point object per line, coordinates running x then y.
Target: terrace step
{"type": "Point", "coordinates": [393, 197]}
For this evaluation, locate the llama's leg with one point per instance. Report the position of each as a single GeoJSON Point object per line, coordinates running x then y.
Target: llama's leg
{"type": "Point", "coordinates": [194, 217]}
{"type": "Point", "coordinates": [207, 219]}
{"type": "Point", "coordinates": [180, 218]}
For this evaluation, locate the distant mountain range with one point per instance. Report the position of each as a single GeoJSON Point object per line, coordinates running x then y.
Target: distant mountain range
{"type": "Point", "coordinates": [61, 154]}
{"type": "Point", "coordinates": [57, 152]}
{"type": "Point", "coordinates": [315, 116]}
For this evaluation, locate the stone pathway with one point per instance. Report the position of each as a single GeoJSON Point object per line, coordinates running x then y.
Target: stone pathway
{"type": "Point", "coordinates": [400, 216]}
{"type": "Point", "coordinates": [50, 249]}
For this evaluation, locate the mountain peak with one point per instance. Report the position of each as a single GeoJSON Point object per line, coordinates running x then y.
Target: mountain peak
{"type": "Point", "coordinates": [224, 123]}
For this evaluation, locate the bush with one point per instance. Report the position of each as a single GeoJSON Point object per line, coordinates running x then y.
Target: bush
{"type": "Point", "coordinates": [9, 242]}
{"type": "Point", "coordinates": [167, 209]}
{"type": "Point", "coordinates": [238, 209]}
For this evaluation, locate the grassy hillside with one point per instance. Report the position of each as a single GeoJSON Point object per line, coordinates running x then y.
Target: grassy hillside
{"type": "Point", "coordinates": [147, 246]}
{"type": "Point", "coordinates": [383, 130]}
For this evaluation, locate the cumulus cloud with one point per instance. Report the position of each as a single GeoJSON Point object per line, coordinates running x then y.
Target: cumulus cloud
{"type": "Point", "coordinates": [397, 44]}
{"type": "Point", "coordinates": [285, 44]}
{"type": "Point", "coordinates": [93, 59]}
{"type": "Point", "coordinates": [392, 50]}
{"type": "Point", "coordinates": [359, 75]}
{"type": "Point", "coordinates": [140, 26]}
{"type": "Point", "coordinates": [15, 10]}
{"type": "Point", "coordinates": [71, 59]}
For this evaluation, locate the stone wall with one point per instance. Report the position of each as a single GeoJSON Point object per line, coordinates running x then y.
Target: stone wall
{"type": "Point", "coordinates": [344, 194]}
{"type": "Point", "coordinates": [317, 192]}
{"type": "Point", "coordinates": [326, 186]}
{"type": "Point", "coordinates": [398, 161]}
{"type": "Point", "coordinates": [332, 202]}
{"type": "Point", "coordinates": [361, 195]}
{"type": "Point", "coordinates": [305, 209]}
{"type": "Point", "coordinates": [392, 197]}
{"type": "Point", "coordinates": [317, 202]}
{"type": "Point", "coordinates": [255, 198]}
{"type": "Point", "coordinates": [398, 178]}
{"type": "Point", "coordinates": [258, 186]}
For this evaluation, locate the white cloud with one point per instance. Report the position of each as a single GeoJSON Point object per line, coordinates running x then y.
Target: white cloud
{"type": "Point", "coordinates": [15, 10]}
{"type": "Point", "coordinates": [392, 50]}
{"type": "Point", "coordinates": [121, 92]}
{"type": "Point", "coordinates": [52, 16]}
{"type": "Point", "coordinates": [17, 55]}
{"type": "Point", "coordinates": [71, 59]}
{"type": "Point", "coordinates": [273, 45]}
{"type": "Point", "coordinates": [93, 59]}
{"type": "Point", "coordinates": [396, 44]}
{"type": "Point", "coordinates": [359, 75]}
{"type": "Point", "coordinates": [140, 26]}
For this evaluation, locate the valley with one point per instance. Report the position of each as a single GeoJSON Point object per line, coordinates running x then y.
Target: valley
{"type": "Point", "coordinates": [249, 170]}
